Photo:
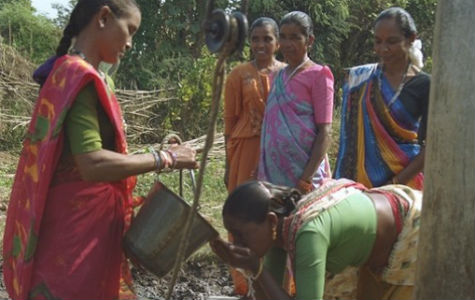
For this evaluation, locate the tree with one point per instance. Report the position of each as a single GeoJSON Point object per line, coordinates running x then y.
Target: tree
{"type": "Point", "coordinates": [63, 12]}
{"type": "Point", "coordinates": [34, 36]}
{"type": "Point", "coordinates": [23, 2]}
{"type": "Point", "coordinates": [169, 35]}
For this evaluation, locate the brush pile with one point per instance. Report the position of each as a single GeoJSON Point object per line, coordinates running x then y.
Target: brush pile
{"type": "Point", "coordinates": [144, 111]}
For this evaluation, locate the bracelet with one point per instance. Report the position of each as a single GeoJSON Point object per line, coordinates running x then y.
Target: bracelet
{"type": "Point", "coordinates": [167, 159]}
{"type": "Point", "coordinates": [156, 157]}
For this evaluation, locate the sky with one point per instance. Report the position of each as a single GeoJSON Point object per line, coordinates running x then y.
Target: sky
{"type": "Point", "coordinates": [44, 6]}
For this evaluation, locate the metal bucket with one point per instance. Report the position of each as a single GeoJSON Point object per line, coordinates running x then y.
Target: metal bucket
{"type": "Point", "coordinates": [154, 236]}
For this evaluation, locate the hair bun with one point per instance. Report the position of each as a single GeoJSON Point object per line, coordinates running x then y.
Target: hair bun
{"type": "Point", "coordinates": [41, 74]}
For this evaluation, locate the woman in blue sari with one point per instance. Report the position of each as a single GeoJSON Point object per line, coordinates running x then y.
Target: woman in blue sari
{"type": "Point", "coordinates": [384, 109]}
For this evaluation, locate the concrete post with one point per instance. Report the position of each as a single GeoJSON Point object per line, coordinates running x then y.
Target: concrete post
{"type": "Point", "coordinates": [447, 235]}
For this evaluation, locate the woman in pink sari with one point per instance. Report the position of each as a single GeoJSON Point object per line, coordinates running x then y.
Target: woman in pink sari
{"type": "Point", "coordinates": [298, 116]}
{"type": "Point", "coordinates": [72, 199]}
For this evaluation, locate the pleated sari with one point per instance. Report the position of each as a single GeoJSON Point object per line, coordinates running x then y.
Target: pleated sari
{"type": "Point", "coordinates": [378, 135]}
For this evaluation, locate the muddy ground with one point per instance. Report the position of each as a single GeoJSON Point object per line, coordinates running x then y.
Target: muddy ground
{"type": "Point", "coordinates": [197, 281]}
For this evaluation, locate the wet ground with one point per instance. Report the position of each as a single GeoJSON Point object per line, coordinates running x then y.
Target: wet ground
{"type": "Point", "coordinates": [196, 281]}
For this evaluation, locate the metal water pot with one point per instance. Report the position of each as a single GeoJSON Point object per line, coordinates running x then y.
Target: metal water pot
{"type": "Point", "coordinates": [153, 238]}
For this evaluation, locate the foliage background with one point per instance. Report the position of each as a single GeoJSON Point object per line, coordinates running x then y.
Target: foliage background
{"type": "Point", "coordinates": [169, 48]}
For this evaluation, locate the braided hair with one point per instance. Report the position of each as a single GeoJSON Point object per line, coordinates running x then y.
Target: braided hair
{"type": "Point", "coordinates": [253, 200]}
{"type": "Point", "coordinates": [81, 16]}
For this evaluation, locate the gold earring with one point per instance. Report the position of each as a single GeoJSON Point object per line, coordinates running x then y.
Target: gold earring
{"type": "Point", "coordinates": [274, 233]}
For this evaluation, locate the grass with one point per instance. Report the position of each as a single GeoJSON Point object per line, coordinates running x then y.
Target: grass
{"type": "Point", "coordinates": [8, 165]}
{"type": "Point", "coordinates": [213, 192]}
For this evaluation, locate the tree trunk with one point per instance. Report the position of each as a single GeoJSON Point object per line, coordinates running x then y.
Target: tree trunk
{"type": "Point", "coordinates": [447, 234]}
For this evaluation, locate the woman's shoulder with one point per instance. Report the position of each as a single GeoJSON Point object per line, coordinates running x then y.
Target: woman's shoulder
{"type": "Point", "coordinates": [72, 64]}
{"type": "Point", "coordinates": [243, 67]}
{"type": "Point", "coordinates": [317, 70]}
{"type": "Point", "coordinates": [423, 77]}
{"type": "Point", "coordinates": [361, 69]}
{"type": "Point", "coordinates": [420, 81]}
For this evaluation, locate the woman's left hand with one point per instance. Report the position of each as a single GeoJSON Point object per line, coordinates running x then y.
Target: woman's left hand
{"type": "Point", "coordinates": [185, 157]}
{"type": "Point", "coordinates": [236, 256]}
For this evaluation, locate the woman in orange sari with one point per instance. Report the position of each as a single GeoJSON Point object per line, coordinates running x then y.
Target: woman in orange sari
{"type": "Point", "coordinates": [245, 95]}
{"type": "Point", "coordinates": [72, 199]}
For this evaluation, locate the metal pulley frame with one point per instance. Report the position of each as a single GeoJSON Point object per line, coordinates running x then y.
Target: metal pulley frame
{"type": "Point", "coordinates": [222, 30]}
{"type": "Point", "coordinates": [224, 34]}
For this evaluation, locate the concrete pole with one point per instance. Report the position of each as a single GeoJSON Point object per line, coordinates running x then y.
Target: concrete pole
{"type": "Point", "coordinates": [447, 233]}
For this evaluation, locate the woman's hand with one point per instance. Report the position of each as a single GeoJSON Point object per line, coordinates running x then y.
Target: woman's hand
{"type": "Point", "coordinates": [304, 186]}
{"type": "Point", "coordinates": [235, 256]}
{"type": "Point", "coordinates": [185, 157]}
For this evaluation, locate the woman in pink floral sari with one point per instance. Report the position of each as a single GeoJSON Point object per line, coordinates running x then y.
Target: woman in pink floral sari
{"type": "Point", "coordinates": [72, 196]}
{"type": "Point", "coordinates": [297, 120]}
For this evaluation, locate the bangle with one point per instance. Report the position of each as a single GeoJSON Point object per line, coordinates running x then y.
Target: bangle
{"type": "Point", "coordinates": [156, 157]}
{"type": "Point", "coordinates": [173, 156]}
{"type": "Point", "coordinates": [167, 159]}
{"type": "Point", "coordinates": [394, 180]}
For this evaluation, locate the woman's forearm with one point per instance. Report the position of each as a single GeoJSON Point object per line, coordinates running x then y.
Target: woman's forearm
{"type": "Point", "coordinates": [268, 288]}
{"type": "Point", "coordinates": [411, 170]}
{"type": "Point", "coordinates": [318, 152]}
{"type": "Point", "coordinates": [105, 165]}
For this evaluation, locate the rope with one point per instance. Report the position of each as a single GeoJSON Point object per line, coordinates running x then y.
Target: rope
{"type": "Point", "coordinates": [218, 81]}
{"type": "Point", "coordinates": [176, 139]}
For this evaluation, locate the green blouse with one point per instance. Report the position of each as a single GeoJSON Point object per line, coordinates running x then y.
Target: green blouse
{"type": "Point", "coordinates": [87, 126]}
{"type": "Point", "coordinates": [339, 237]}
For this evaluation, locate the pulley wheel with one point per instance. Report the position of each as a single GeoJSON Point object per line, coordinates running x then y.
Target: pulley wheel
{"type": "Point", "coordinates": [242, 29]}
{"type": "Point", "coordinates": [217, 30]}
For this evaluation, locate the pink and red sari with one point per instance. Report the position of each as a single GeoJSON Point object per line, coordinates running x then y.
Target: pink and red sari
{"type": "Point", "coordinates": [63, 238]}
